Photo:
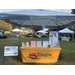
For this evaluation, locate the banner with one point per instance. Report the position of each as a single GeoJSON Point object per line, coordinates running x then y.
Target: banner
{"type": "Point", "coordinates": [65, 39]}
{"type": "Point", "coordinates": [39, 55]}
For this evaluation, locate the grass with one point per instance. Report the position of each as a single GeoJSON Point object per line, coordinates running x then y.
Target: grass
{"type": "Point", "coordinates": [68, 51]}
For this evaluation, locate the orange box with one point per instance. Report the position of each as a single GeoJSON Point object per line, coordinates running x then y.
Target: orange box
{"type": "Point", "coordinates": [40, 54]}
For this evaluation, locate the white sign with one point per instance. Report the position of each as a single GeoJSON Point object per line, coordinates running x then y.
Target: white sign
{"type": "Point", "coordinates": [53, 38]}
{"type": "Point", "coordinates": [11, 51]}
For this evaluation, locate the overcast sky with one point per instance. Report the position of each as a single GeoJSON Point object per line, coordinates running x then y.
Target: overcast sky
{"type": "Point", "coordinates": [61, 10]}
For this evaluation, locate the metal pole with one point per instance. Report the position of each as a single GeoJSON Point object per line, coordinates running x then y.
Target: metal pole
{"type": "Point", "coordinates": [19, 44]}
{"type": "Point", "coordinates": [73, 36]}
{"type": "Point", "coordinates": [19, 40]}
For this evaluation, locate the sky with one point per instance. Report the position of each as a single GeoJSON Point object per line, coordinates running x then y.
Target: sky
{"type": "Point", "coordinates": [60, 10]}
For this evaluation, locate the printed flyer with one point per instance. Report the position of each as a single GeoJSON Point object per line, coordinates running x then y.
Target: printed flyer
{"type": "Point", "coordinates": [39, 44]}
{"type": "Point", "coordinates": [33, 43]}
{"type": "Point", "coordinates": [45, 43]}
{"type": "Point", "coordinates": [27, 44]}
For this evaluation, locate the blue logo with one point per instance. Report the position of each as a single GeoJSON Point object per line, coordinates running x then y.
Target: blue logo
{"type": "Point", "coordinates": [43, 54]}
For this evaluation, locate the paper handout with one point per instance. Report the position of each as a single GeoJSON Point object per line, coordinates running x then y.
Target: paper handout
{"type": "Point", "coordinates": [45, 43]}
{"type": "Point", "coordinates": [33, 43]}
{"type": "Point", "coordinates": [23, 44]}
{"type": "Point", "coordinates": [39, 43]}
{"type": "Point", "coordinates": [27, 44]}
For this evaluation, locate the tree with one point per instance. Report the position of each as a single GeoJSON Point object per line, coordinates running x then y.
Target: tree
{"type": "Point", "coordinates": [73, 27]}
{"type": "Point", "coordinates": [5, 25]}
{"type": "Point", "coordinates": [14, 26]}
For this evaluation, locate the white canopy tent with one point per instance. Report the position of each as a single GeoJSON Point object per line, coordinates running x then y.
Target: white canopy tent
{"type": "Point", "coordinates": [41, 31]}
{"type": "Point", "coordinates": [66, 30]}
{"type": "Point", "coordinates": [17, 30]}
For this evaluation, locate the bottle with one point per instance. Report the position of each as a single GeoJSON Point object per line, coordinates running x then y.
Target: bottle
{"type": "Point", "coordinates": [49, 46]}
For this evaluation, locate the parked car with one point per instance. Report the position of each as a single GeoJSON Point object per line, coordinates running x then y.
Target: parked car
{"type": "Point", "coordinates": [37, 36]}
{"type": "Point", "coordinates": [29, 35]}
{"type": "Point", "coordinates": [44, 35]}
{"type": "Point", "coordinates": [40, 35]}
{"type": "Point", "coordinates": [2, 35]}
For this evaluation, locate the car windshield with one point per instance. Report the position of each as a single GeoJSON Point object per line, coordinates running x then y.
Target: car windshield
{"type": "Point", "coordinates": [1, 33]}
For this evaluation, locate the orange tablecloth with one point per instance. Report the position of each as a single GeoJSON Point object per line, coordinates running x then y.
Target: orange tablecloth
{"type": "Point", "coordinates": [39, 55]}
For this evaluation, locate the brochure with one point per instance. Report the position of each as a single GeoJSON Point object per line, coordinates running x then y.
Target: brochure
{"type": "Point", "coordinates": [45, 43]}
{"type": "Point", "coordinates": [27, 44]}
{"type": "Point", "coordinates": [23, 44]}
{"type": "Point", "coordinates": [33, 43]}
{"type": "Point", "coordinates": [39, 43]}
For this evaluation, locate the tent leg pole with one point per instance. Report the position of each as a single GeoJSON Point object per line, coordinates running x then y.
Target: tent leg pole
{"type": "Point", "coordinates": [19, 45]}
{"type": "Point", "coordinates": [58, 33]}
{"type": "Point", "coordinates": [73, 37]}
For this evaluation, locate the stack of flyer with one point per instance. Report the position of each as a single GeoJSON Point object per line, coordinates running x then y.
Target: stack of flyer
{"type": "Point", "coordinates": [39, 44]}
{"type": "Point", "coordinates": [33, 43]}
{"type": "Point", "coordinates": [36, 44]}
{"type": "Point", "coordinates": [45, 44]}
{"type": "Point", "coordinates": [27, 44]}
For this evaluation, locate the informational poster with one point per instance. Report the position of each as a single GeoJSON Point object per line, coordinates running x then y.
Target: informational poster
{"type": "Point", "coordinates": [53, 38]}
{"type": "Point", "coordinates": [33, 43]}
{"type": "Point", "coordinates": [11, 51]}
{"type": "Point", "coordinates": [39, 44]}
{"type": "Point", "coordinates": [45, 43]}
{"type": "Point", "coordinates": [27, 44]}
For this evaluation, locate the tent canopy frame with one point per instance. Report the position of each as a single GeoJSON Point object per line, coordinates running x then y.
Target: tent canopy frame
{"type": "Point", "coordinates": [25, 17]}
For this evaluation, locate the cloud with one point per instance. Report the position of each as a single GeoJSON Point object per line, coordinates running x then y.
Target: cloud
{"type": "Point", "coordinates": [56, 9]}
{"type": "Point", "coordinates": [62, 10]}
{"type": "Point", "coordinates": [9, 10]}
